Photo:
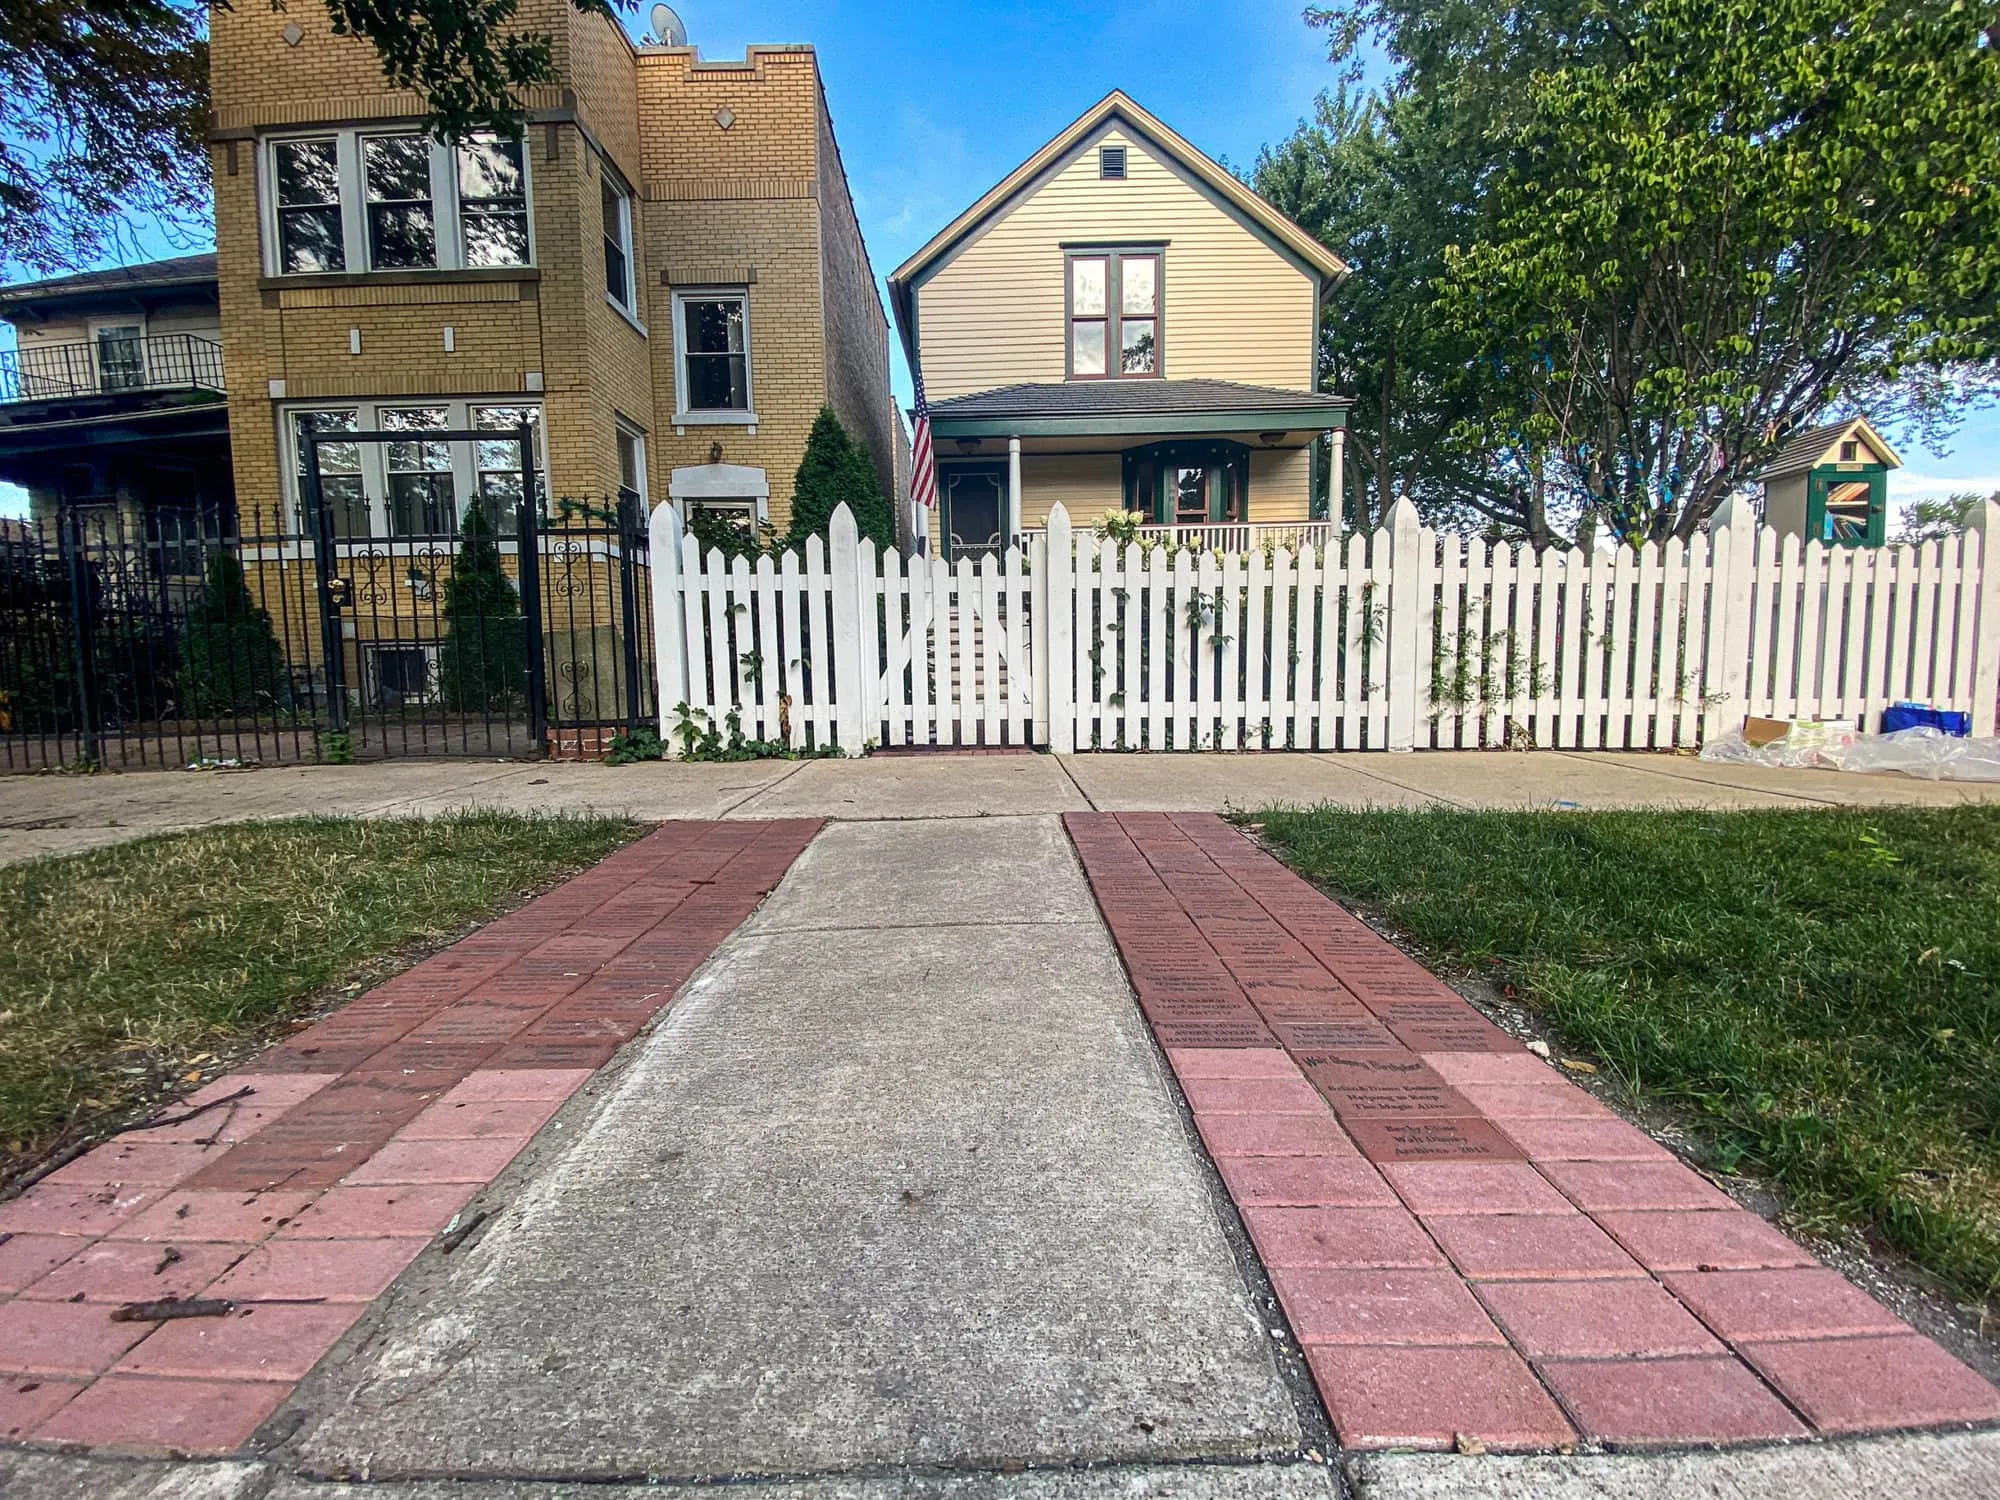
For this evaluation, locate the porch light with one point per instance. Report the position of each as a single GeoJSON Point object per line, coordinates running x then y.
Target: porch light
{"type": "Point", "coordinates": [1270, 439]}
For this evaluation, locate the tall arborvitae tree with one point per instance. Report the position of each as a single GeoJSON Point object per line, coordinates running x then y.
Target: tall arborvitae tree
{"type": "Point", "coordinates": [483, 659]}
{"type": "Point", "coordinates": [837, 471]}
{"type": "Point", "coordinates": [231, 662]}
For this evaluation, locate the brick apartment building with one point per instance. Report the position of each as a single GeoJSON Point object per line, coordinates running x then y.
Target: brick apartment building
{"type": "Point", "coordinates": [665, 274]}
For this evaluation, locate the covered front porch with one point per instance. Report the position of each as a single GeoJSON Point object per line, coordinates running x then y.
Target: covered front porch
{"type": "Point", "coordinates": [1208, 461]}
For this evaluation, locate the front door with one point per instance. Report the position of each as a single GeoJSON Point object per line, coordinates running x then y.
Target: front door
{"type": "Point", "coordinates": [974, 497]}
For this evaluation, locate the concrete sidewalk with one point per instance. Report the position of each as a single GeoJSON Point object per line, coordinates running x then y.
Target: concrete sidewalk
{"type": "Point", "coordinates": [897, 1182]}
{"type": "Point", "coordinates": [51, 814]}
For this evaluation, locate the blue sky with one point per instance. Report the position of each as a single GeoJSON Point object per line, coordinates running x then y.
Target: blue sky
{"type": "Point", "coordinates": [933, 103]}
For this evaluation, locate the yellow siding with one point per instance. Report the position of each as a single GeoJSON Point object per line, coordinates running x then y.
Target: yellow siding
{"type": "Point", "coordinates": [1235, 309]}
{"type": "Point", "coordinates": [1280, 485]}
{"type": "Point", "coordinates": [1087, 484]}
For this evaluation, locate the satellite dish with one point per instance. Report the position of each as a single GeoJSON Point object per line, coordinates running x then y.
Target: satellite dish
{"type": "Point", "coordinates": [668, 31]}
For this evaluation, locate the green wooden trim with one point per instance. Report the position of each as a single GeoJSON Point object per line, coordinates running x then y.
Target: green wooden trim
{"type": "Point", "coordinates": [1819, 479]}
{"type": "Point", "coordinates": [1161, 424]}
{"type": "Point", "coordinates": [1213, 453]}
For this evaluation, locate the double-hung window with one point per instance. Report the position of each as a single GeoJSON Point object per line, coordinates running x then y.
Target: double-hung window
{"type": "Point", "coordinates": [395, 200]}
{"type": "Point", "coordinates": [617, 204]}
{"type": "Point", "coordinates": [305, 184]}
{"type": "Point", "coordinates": [402, 214]}
{"type": "Point", "coordinates": [712, 340]}
{"type": "Point", "coordinates": [1114, 314]}
{"type": "Point", "coordinates": [417, 484]}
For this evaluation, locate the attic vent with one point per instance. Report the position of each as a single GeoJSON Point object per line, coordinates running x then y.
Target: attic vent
{"type": "Point", "coordinates": [1111, 162]}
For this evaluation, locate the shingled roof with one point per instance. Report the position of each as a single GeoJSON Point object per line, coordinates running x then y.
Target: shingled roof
{"type": "Point", "coordinates": [1805, 448]}
{"type": "Point", "coordinates": [181, 270]}
{"type": "Point", "coordinates": [1131, 398]}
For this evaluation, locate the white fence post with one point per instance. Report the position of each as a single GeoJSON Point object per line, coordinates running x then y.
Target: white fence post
{"type": "Point", "coordinates": [1985, 525]}
{"type": "Point", "coordinates": [1408, 613]}
{"type": "Point", "coordinates": [1037, 627]}
{"type": "Point", "coordinates": [843, 571]}
{"type": "Point", "coordinates": [670, 646]}
{"type": "Point", "coordinates": [1057, 614]}
{"type": "Point", "coordinates": [1724, 681]}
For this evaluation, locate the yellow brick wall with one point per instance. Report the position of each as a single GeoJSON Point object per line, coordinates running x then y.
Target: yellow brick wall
{"type": "Point", "coordinates": [713, 204]}
{"type": "Point", "coordinates": [730, 154]}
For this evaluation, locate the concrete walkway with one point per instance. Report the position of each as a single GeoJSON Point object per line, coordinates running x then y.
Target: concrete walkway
{"type": "Point", "coordinates": [54, 814]}
{"type": "Point", "coordinates": [896, 1183]}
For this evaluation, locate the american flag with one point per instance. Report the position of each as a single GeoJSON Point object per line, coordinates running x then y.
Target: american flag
{"type": "Point", "coordinates": [923, 478]}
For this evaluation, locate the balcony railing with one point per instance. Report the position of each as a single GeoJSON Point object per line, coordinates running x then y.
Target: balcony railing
{"type": "Point", "coordinates": [112, 365]}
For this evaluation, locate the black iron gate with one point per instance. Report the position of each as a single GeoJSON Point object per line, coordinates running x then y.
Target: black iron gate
{"type": "Point", "coordinates": [163, 638]}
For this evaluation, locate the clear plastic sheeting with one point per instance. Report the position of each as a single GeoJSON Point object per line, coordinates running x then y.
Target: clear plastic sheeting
{"type": "Point", "coordinates": [1924, 752]}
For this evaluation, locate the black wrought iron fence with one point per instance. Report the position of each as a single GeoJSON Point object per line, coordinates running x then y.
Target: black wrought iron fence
{"type": "Point", "coordinates": [166, 639]}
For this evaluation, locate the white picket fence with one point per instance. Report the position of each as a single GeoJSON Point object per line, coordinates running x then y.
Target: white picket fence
{"type": "Point", "coordinates": [1402, 638]}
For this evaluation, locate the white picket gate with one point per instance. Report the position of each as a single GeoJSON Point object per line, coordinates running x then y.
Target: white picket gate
{"type": "Point", "coordinates": [1397, 639]}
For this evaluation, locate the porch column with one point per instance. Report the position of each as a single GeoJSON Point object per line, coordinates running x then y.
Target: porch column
{"type": "Point", "coordinates": [1013, 490]}
{"type": "Point", "coordinates": [1336, 508]}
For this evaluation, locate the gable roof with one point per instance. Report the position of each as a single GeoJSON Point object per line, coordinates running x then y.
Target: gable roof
{"type": "Point", "coordinates": [1808, 448]}
{"type": "Point", "coordinates": [1116, 105]}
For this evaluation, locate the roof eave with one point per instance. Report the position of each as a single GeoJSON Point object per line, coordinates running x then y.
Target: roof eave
{"type": "Point", "coordinates": [1139, 424]}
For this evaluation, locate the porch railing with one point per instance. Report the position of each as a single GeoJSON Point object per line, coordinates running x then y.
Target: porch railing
{"type": "Point", "coordinates": [111, 366]}
{"type": "Point", "coordinates": [1242, 536]}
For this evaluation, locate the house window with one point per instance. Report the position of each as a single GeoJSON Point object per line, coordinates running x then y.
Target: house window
{"type": "Point", "coordinates": [712, 335]}
{"type": "Point", "coordinates": [493, 202]}
{"type": "Point", "coordinates": [1111, 163]}
{"type": "Point", "coordinates": [423, 498]}
{"type": "Point", "coordinates": [407, 201]}
{"type": "Point", "coordinates": [631, 465]}
{"type": "Point", "coordinates": [416, 485]}
{"type": "Point", "coordinates": [305, 178]}
{"type": "Point", "coordinates": [402, 217]}
{"type": "Point", "coordinates": [1189, 484]}
{"type": "Point", "coordinates": [617, 205]}
{"type": "Point", "coordinates": [1114, 315]}
{"type": "Point", "coordinates": [1850, 452]}
{"type": "Point", "coordinates": [340, 482]}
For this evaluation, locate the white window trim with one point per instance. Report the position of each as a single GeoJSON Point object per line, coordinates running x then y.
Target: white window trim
{"type": "Point", "coordinates": [629, 309]}
{"type": "Point", "coordinates": [632, 430]}
{"type": "Point", "coordinates": [354, 205]}
{"type": "Point", "coordinates": [683, 417]}
{"type": "Point", "coordinates": [375, 455]}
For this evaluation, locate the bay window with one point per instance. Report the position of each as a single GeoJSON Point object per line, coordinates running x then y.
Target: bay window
{"type": "Point", "coordinates": [1114, 314]}
{"type": "Point", "coordinates": [394, 200]}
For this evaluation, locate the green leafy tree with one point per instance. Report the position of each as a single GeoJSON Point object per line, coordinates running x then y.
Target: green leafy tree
{"type": "Point", "coordinates": [1716, 220]}
{"type": "Point", "coordinates": [834, 471]}
{"type": "Point", "coordinates": [1388, 183]}
{"type": "Point", "coordinates": [231, 662]}
{"type": "Point", "coordinates": [483, 659]}
{"type": "Point", "coordinates": [1934, 520]}
{"type": "Point", "coordinates": [104, 106]}
{"type": "Point", "coordinates": [1608, 257]}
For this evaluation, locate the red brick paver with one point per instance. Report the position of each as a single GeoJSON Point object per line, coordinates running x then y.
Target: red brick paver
{"type": "Point", "coordinates": [325, 1166]}
{"type": "Point", "coordinates": [1469, 1246]}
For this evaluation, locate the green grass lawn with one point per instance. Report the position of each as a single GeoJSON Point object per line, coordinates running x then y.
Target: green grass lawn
{"type": "Point", "coordinates": [1817, 992]}
{"type": "Point", "coordinates": [131, 969]}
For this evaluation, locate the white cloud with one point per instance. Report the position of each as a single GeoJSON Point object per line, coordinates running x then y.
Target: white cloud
{"type": "Point", "coordinates": [1906, 485]}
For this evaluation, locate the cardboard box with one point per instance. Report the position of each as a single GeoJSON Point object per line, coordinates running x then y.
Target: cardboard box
{"type": "Point", "coordinates": [1762, 732]}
